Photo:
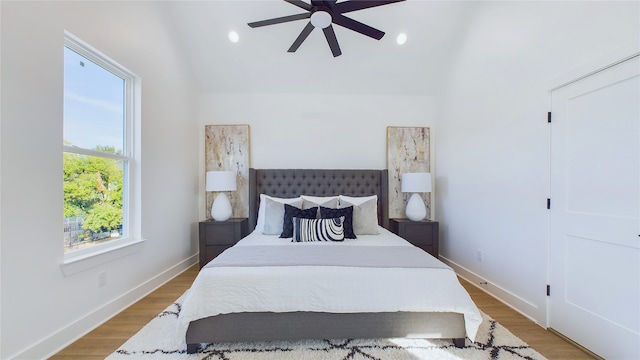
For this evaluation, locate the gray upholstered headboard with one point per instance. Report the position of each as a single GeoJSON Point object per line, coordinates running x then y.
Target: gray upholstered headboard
{"type": "Point", "coordinates": [287, 183]}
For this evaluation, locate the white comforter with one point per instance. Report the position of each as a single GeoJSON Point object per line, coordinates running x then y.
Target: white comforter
{"type": "Point", "coordinates": [335, 289]}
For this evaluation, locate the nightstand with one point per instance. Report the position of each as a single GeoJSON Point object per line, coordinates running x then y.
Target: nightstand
{"type": "Point", "coordinates": [217, 236]}
{"type": "Point", "coordinates": [423, 234]}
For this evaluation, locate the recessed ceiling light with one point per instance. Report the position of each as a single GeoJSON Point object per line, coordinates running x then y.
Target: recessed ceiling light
{"type": "Point", "coordinates": [401, 39]}
{"type": "Point", "coordinates": [233, 36]}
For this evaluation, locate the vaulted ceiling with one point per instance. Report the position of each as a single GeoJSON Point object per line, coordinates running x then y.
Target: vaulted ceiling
{"type": "Point", "coordinates": [259, 61]}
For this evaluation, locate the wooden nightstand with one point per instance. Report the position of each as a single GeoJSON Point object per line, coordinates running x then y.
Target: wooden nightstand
{"type": "Point", "coordinates": [423, 234]}
{"type": "Point", "coordinates": [217, 236]}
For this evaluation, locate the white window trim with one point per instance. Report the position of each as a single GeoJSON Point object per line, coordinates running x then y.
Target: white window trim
{"type": "Point", "coordinates": [82, 259]}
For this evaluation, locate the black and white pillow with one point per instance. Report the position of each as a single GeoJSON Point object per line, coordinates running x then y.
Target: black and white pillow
{"type": "Point", "coordinates": [346, 212]}
{"type": "Point", "coordinates": [318, 229]}
{"type": "Point", "coordinates": [289, 213]}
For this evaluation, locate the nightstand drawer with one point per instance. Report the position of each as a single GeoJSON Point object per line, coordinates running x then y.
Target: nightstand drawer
{"type": "Point", "coordinates": [221, 234]}
{"type": "Point", "coordinates": [423, 234]}
{"type": "Point", "coordinates": [217, 236]}
{"type": "Point", "coordinates": [418, 235]}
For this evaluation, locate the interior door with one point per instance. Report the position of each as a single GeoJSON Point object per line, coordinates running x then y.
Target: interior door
{"type": "Point", "coordinates": [594, 218]}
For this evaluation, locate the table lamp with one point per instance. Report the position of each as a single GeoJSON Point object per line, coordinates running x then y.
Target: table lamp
{"type": "Point", "coordinates": [221, 181]}
{"type": "Point", "coordinates": [416, 183]}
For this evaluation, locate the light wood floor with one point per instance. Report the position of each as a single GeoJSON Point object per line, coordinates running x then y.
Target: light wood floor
{"type": "Point", "coordinates": [104, 340]}
{"type": "Point", "coordinates": [545, 342]}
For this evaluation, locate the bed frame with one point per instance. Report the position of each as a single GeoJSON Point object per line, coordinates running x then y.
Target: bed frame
{"type": "Point", "coordinates": [268, 326]}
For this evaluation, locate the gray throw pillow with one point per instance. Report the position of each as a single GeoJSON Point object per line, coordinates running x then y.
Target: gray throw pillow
{"type": "Point", "coordinates": [365, 217]}
{"type": "Point", "coordinates": [274, 216]}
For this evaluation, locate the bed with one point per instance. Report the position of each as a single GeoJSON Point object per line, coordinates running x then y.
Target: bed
{"type": "Point", "coordinates": [371, 285]}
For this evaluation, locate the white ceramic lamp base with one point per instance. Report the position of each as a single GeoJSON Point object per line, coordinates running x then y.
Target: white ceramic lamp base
{"type": "Point", "coordinates": [221, 208]}
{"type": "Point", "coordinates": [416, 211]}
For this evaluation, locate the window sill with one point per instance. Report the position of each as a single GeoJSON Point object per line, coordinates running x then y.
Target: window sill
{"type": "Point", "coordinates": [75, 264]}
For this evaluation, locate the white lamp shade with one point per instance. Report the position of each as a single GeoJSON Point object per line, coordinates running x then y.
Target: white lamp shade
{"type": "Point", "coordinates": [220, 181]}
{"type": "Point", "coordinates": [416, 182]}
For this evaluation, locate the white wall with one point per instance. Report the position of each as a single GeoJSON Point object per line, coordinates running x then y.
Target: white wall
{"type": "Point", "coordinates": [488, 129]}
{"type": "Point", "coordinates": [493, 144]}
{"type": "Point", "coordinates": [42, 310]}
{"type": "Point", "coordinates": [316, 130]}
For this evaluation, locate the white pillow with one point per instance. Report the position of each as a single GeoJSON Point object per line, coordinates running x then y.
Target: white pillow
{"type": "Point", "coordinates": [357, 200]}
{"type": "Point", "coordinates": [326, 201]}
{"type": "Point", "coordinates": [262, 208]}
{"type": "Point", "coordinates": [365, 213]}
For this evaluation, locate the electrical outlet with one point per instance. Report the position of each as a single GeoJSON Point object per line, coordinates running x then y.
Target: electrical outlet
{"type": "Point", "coordinates": [480, 256]}
{"type": "Point", "coordinates": [102, 279]}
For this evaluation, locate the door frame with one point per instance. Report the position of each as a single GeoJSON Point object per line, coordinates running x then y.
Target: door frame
{"type": "Point", "coordinates": [564, 83]}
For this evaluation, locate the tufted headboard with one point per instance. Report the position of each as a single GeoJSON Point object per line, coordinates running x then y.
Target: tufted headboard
{"type": "Point", "coordinates": [287, 183]}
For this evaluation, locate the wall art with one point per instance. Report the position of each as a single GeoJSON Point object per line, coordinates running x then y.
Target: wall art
{"type": "Point", "coordinates": [408, 151]}
{"type": "Point", "coordinates": [227, 148]}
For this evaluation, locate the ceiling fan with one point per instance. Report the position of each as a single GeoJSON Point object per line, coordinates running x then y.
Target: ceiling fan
{"type": "Point", "coordinates": [322, 14]}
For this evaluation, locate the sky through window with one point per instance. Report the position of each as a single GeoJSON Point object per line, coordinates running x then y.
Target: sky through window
{"type": "Point", "coordinates": [93, 104]}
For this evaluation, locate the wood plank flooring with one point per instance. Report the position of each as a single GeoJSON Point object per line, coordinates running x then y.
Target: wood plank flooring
{"type": "Point", "coordinates": [545, 342]}
{"type": "Point", "coordinates": [104, 340]}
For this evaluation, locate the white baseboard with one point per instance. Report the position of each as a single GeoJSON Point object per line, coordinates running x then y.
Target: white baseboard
{"type": "Point", "coordinates": [506, 297]}
{"type": "Point", "coordinates": [69, 334]}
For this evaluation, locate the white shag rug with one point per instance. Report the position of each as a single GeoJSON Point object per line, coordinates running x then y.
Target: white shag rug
{"type": "Point", "coordinates": [158, 341]}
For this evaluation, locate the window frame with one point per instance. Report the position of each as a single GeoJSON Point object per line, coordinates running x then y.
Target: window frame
{"type": "Point", "coordinates": [80, 259]}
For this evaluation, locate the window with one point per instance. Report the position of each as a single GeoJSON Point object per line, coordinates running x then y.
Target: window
{"type": "Point", "coordinates": [99, 160]}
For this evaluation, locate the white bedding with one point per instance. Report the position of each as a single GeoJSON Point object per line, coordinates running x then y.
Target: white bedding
{"type": "Point", "coordinates": [385, 238]}
{"type": "Point", "coordinates": [335, 289]}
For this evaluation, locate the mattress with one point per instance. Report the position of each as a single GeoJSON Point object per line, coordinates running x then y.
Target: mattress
{"type": "Point", "coordinates": [370, 274]}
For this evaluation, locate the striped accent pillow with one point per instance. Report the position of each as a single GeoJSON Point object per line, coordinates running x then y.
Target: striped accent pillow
{"type": "Point", "coordinates": [318, 229]}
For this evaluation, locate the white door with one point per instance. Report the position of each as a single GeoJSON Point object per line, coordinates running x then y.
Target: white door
{"type": "Point", "coordinates": [594, 255]}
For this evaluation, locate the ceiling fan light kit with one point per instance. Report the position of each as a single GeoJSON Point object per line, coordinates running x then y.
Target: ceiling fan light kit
{"type": "Point", "coordinates": [321, 19]}
{"type": "Point", "coordinates": [323, 14]}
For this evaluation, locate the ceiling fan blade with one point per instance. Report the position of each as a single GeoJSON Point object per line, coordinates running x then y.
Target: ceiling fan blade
{"type": "Point", "coordinates": [280, 20]}
{"type": "Point", "coordinates": [353, 5]}
{"type": "Point", "coordinates": [300, 4]}
{"type": "Point", "coordinates": [301, 38]}
{"type": "Point", "coordinates": [357, 26]}
{"type": "Point", "coordinates": [332, 40]}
